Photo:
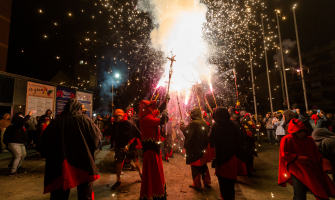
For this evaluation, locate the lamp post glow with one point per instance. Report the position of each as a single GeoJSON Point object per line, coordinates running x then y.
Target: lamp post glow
{"type": "Point", "coordinates": [116, 76]}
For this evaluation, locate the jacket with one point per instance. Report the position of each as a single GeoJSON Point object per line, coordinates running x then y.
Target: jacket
{"type": "Point", "coordinates": [16, 133]}
{"type": "Point", "coordinates": [318, 123]}
{"type": "Point", "coordinates": [196, 136]}
{"type": "Point", "coordinates": [68, 144]}
{"type": "Point", "coordinates": [123, 133]}
{"type": "Point", "coordinates": [4, 123]}
{"type": "Point", "coordinates": [280, 129]}
{"type": "Point", "coordinates": [31, 123]}
{"type": "Point", "coordinates": [268, 123]}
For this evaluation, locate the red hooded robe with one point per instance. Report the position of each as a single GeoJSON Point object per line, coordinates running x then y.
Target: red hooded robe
{"type": "Point", "coordinates": [153, 182]}
{"type": "Point", "coordinates": [313, 177]}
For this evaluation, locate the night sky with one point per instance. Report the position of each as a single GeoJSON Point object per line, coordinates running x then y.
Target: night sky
{"type": "Point", "coordinates": [45, 36]}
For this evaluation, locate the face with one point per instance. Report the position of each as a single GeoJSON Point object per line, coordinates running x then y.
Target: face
{"type": "Point", "coordinates": [267, 115]}
{"type": "Point", "coordinates": [301, 134]}
{"type": "Point", "coordinates": [49, 113]}
{"type": "Point", "coordinates": [7, 117]}
{"type": "Point", "coordinates": [130, 114]}
{"type": "Point", "coordinates": [118, 118]}
{"type": "Point", "coordinates": [107, 116]}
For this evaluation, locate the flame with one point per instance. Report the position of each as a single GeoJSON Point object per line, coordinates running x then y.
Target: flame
{"type": "Point", "coordinates": [210, 86]}
{"type": "Point", "coordinates": [185, 37]}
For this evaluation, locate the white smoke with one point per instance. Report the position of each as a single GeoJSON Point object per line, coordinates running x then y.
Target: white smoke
{"type": "Point", "coordinates": [179, 28]}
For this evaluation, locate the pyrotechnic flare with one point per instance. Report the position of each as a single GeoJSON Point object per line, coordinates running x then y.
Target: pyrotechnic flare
{"type": "Point", "coordinates": [209, 107]}
{"type": "Point", "coordinates": [155, 91]}
{"type": "Point", "coordinates": [157, 97]}
{"type": "Point", "coordinates": [181, 116]}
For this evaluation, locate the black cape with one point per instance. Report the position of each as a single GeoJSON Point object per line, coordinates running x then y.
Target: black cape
{"type": "Point", "coordinates": [225, 136]}
{"type": "Point", "coordinates": [68, 144]}
{"type": "Point", "coordinates": [122, 133]}
{"type": "Point", "coordinates": [196, 136]}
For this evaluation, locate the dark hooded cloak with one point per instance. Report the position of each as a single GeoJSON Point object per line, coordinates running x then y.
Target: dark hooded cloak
{"type": "Point", "coordinates": [289, 115]}
{"type": "Point", "coordinates": [225, 136]}
{"type": "Point", "coordinates": [68, 144]}
{"type": "Point", "coordinates": [196, 136]}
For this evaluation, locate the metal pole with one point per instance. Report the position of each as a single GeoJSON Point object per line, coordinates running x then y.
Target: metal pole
{"type": "Point", "coordinates": [301, 69]}
{"type": "Point", "coordinates": [235, 80]}
{"type": "Point", "coordinates": [281, 81]}
{"type": "Point", "coordinates": [267, 66]}
{"type": "Point", "coordinates": [282, 60]}
{"type": "Point", "coordinates": [112, 96]}
{"type": "Point", "coordinates": [252, 76]}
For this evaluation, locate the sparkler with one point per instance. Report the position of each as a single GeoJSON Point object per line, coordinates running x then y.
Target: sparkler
{"type": "Point", "coordinates": [155, 92]}
{"type": "Point", "coordinates": [210, 109]}
{"type": "Point", "coordinates": [214, 98]}
{"type": "Point", "coordinates": [181, 116]}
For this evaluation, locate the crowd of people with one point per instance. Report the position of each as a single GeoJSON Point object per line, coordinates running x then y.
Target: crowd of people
{"type": "Point", "coordinates": [226, 138]}
{"type": "Point", "coordinates": [21, 132]}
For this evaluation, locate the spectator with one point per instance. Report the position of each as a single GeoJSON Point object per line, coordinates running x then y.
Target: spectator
{"type": "Point", "coordinates": [301, 164]}
{"type": "Point", "coordinates": [46, 116]}
{"type": "Point", "coordinates": [280, 131]}
{"type": "Point", "coordinates": [4, 123]}
{"type": "Point", "coordinates": [15, 138]}
{"type": "Point", "coordinates": [295, 109]}
{"type": "Point", "coordinates": [30, 125]}
{"type": "Point", "coordinates": [325, 141]}
{"type": "Point", "coordinates": [20, 114]}
{"type": "Point", "coordinates": [329, 122]}
{"type": "Point", "coordinates": [270, 128]}
{"type": "Point", "coordinates": [318, 120]}
{"type": "Point", "coordinates": [100, 124]}
{"type": "Point", "coordinates": [68, 145]}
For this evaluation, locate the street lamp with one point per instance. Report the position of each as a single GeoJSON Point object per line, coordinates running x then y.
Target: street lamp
{"type": "Point", "coordinates": [116, 76]}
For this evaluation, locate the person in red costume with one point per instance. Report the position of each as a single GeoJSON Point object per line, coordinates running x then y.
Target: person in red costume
{"type": "Point", "coordinates": [225, 136]}
{"type": "Point", "coordinates": [197, 153]}
{"type": "Point", "coordinates": [153, 185]}
{"type": "Point", "coordinates": [68, 146]}
{"type": "Point", "coordinates": [301, 164]}
{"type": "Point", "coordinates": [124, 133]}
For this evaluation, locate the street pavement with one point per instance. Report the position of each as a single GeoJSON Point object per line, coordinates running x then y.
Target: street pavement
{"type": "Point", "coordinates": [262, 185]}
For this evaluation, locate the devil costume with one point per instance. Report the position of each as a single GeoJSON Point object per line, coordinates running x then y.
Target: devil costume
{"type": "Point", "coordinates": [301, 164]}
{"type": "Point", "coordinates": [68, 144]}
{"type": "Point", "coordinates": [225, 137]}
{"type": "Point", "coordinates": [153, 182]}
{"type": "Point", "coordinates": [196, 145]}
